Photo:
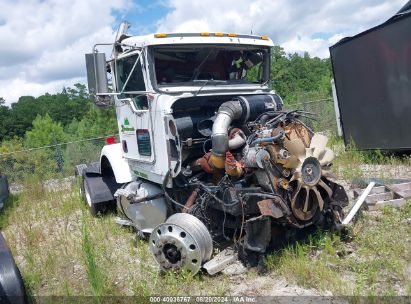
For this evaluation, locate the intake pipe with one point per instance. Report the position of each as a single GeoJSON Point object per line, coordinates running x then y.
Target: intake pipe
{"type": "Point", "coordinates": [240, 109]}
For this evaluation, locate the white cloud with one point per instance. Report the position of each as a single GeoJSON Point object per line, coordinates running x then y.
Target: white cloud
{"type": "Point", "coordinates": [317, 47]}
{"type": "Point", "coordinates": [291, 23]}
{"type": "Point", "coordinates": [43, 42]}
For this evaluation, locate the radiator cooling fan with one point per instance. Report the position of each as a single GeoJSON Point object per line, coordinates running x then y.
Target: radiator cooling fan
{"type": "Point", "coordinates": [310, 167]}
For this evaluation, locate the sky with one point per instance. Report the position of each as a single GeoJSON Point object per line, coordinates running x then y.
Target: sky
{"type": "Point", "coordinates": [43, 42]}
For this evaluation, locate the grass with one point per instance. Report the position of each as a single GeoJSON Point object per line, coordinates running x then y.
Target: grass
{"type": "Point", "coordinates": [63, 251]}
{"type": "Point", "coordinates": [351, 164]}
{"type": "Point", "coordinates": [311, 264]}
{"type": "Point", "coordinates": [95, 275]}
{"type": "Point", "coordinates": [376, 261]}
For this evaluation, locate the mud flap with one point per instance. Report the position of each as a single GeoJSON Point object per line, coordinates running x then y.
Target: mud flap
{"type": "Point", "coordinates": [98, 191]}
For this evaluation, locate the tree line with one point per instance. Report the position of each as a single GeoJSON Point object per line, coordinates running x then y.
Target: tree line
{"type": "Point", "coordinates": [70, 114]}
{"type": "Point", "coordinates": [297, 76]}
{"type": "Point", "coordinates": [49, 120]}
{"type": "Point", "coordinates": [71, 110]}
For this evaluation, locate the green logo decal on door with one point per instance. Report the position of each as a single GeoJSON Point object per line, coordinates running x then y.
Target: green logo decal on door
{"type": "Point", "coordinates": [125, 126]}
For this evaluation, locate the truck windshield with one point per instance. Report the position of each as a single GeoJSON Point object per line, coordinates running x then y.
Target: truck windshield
{"type": "Point", "coordinates": [193, 65]}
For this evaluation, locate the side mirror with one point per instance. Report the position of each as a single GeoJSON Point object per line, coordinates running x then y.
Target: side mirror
{"type": "Point", "coordinates": [97, 79]}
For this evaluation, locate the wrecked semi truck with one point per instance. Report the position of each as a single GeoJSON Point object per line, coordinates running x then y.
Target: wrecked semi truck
{"type": "Point", "coordinates": [207, 155]}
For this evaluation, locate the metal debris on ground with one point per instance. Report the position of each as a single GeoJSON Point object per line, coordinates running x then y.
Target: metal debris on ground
{"type": "Point", "coordinates": [394, 195]}
{"type": "Point", "coordinates": [358, 204]}
{"type": "Point", "coordinates": [222, 260]}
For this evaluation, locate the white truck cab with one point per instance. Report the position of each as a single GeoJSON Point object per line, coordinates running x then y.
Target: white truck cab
{"type": "Point", "coordinates": [205, 139]}
{"type": "Point", "coordinates": [156, 75]}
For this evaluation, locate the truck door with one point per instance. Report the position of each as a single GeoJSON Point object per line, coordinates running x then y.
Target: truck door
{"type": "Point", "coordinates": [132, 108]}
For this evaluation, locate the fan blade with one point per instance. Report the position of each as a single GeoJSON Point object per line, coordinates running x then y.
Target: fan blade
{"type": "Point", "coordinates": [295, 193]}
{"type": "Point", "coordinates": [327, 157]}
{"type": "Point", "coordinates": [326, 187]}
{"type": "Point", "coordinates": [309, 152]}
{"type": "Point", "coordinates": [292, 162]}
{"type": "Point", "coordinates": [307, 197]}
{"type": "Point", "coordinates": [318, 142]}
{"type": "Point", "coordinates": [319, 198]}
{"type": "Point", "coordinates": [299, 186]}
{"type": "Point", "coordinates": [295, 147]}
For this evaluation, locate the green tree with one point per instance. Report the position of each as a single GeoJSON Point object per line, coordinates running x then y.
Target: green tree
{"type": "Point", "coordinates": [79, 91]}
{"type": "Point", "coordinates": [45, 162]}
{"type": "Point", "coordinates": [22, 114]}
{"type": "Point", "coordinates": [61, 107]}
{"type": "Point", "coordinates": [45, 132]}
{"type": "Point", "coordinates": [12, 164]}
{"type": "Point", "coordinates": [98, 122]}
{"type": "Point", "coordinates": [294, 75]}
{"type": "Point", "coordinates": [4, 114]}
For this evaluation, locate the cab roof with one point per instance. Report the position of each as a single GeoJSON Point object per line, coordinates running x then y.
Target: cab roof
{"type": "Point", "coordinates": [197, 38]}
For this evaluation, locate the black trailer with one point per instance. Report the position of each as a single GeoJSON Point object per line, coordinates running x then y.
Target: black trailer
{"type": "Point", "coordinates": [372, 74]}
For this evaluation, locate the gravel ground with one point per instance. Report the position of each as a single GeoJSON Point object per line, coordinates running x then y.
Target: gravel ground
{"type": "Point", "coordinates": [268, 286]}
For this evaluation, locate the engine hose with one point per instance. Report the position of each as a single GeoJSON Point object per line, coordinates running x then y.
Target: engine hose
{"type": "Point", "coordinates": [263, 118]}
{"type": "Point", "coordinates": [227, 113]}
{"type": "Point", "coordinates": [238, 139]}
{"type": "Point", "coordinates": [168, 197]}
{"type": "Point", "coordinates": [280, 135]}
{"type": "Point", "coordinates": [213, 196]}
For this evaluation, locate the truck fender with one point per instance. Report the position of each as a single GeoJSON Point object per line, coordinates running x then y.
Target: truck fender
{"type": "Point", "coordinates": [111, 157]}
